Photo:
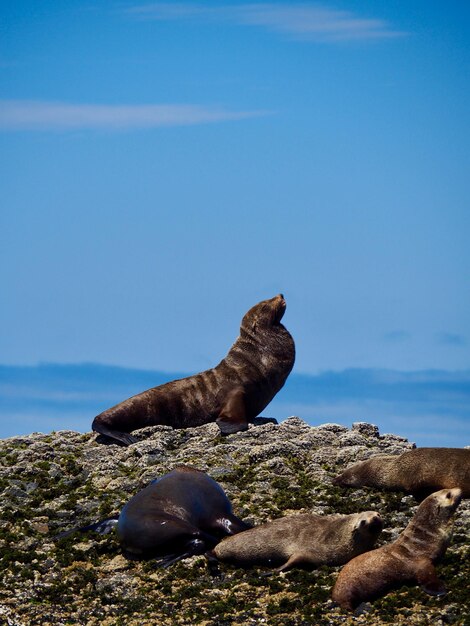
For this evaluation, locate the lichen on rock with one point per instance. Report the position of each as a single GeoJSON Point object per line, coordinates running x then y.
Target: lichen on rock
{"type": "Point", "coordinates": [51, 483]}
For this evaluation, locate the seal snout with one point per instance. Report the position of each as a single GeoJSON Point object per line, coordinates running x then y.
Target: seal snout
{"type": "Point", "coordinates": [375, 522]}
{"type": "Point", "coordinates": [448, 498]}
{"type": "Point", "coordinates": [346, 479]}
{"type": "Point", "coordinates": [370, 521]}
{"type": "Point", "coordinates": [280, 301]}
{"type": "Point", "coordinates": [455, 496]}
{"type": "Point", "coordinates": [278, 308]}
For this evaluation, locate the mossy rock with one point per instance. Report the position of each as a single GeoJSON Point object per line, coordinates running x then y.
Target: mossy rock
{"type": "Point", "coordinates": [56, 482]}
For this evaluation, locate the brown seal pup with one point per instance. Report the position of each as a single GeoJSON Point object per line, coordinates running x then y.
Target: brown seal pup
{"type": "Point", "coordinates": [304, 540]}
{"type": "Point", "coordinates": [232, 394]}
{"type": "Point", "coordinates": [420, 471]}
{"type": "Point", "coordinates": [185, 512]}
{"type": "Point", "coordinates": [408, 559]}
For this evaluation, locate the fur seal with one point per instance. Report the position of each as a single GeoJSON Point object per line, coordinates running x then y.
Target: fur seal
{"type": "Point", "coordinates": [232, 394]}
{"type": "Point", "coordinates": [420, 472]}
{"type": "Point", "coordinates": [182, 513]}
{"type": "Point", "coordinates": [304, 540]}
{"type": "Point", "coordinates": [408, 559]}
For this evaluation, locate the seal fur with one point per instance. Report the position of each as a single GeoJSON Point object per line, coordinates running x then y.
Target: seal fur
{"type": "Point", "coordinates": [232, 394]}
{"type": "Point", "coordinates": [305, 540]}
{"type": "Point", "coordinates": [409, 559]}
{"type": "Point", "coordinates": [182, 513]}
{"type": "Point", "coordinates": [420, 472]}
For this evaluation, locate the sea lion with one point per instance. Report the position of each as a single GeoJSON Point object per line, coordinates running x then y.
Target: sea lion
{"type": "Point", "coordinates": [420, 472]}
{"type": "Point", "coordinates": [185, 512]}
{"type": "Point", "coordinates": [408, 559]}
{"type": "Point", "coordinates": [304, 540]}
{"type": "Point", "coordinates": [232, 394]}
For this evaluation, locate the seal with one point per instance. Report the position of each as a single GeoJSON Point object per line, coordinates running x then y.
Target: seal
{"type": "Point", "coordinates": [232, 394]}
{"type": "Point", "coordinates": [182, 513]}
{"type": "Point", "coordinates": [419, 472]}
{"type": "Point", "coordinates": [305, 540]}
{"type": "Point", "coordinates": [409, 559]}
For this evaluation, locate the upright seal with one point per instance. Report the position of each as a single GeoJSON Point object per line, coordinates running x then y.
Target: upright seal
{"type": "Point", "coordinates": [184, 512]}
{"type": "Point", "coordinates": [232, 394]}
{"type": "Point", "coordinates": [304, 540]}
{"type": "Point", "coordinates": [420, 472]}
{"type": "Point", "coordinates": [410, 558]}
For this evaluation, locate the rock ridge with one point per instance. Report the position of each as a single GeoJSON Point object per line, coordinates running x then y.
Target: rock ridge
{"type": "Point", "coordinates": [54, 482]}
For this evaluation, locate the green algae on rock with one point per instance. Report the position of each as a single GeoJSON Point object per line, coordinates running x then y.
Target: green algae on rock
{"type": "Point", "coordinates": [55, 482]}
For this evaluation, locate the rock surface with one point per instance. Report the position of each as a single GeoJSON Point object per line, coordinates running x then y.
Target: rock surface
{"type": "Point", "coordinates": [55, 482]}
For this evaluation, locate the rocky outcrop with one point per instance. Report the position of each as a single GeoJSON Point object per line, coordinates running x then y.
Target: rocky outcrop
{"type": "Point", "coordinates": [55, 482]}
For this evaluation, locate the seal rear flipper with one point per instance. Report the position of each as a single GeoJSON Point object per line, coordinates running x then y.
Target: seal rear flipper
{"type": "Point", "coordinates": [102, 527]}
{"type": "Point", "coordinates": [428, 580]}
{"type": "Point", "coordinates": [213, 564]}
{"type": "Point", "coordinates": [108, 435]}
{"type": "Point", "coordinates": [232, 416]}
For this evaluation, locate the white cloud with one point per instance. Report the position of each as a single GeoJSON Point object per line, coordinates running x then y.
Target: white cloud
{"type": "Point", "coordinates": [303, 21]}
{"type": "Point", "coordinates": [40, 115]}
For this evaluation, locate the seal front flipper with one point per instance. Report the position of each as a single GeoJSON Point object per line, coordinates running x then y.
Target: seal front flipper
{"type": "Point", "coordinates": [192, 548]}
{"type": "Point", "coordinates": [213, 565]}
{"type": "Point", "coordinates": [293, 561]}
{"type": "Point", "coordinates": [112, 436]}
{"type": "Point", "coordinates": [427, 577]}
{"type": "Point", "coordinates": [232, 416]}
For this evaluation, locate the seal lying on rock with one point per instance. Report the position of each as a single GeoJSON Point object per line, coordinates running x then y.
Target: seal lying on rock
{"type": "Point", "coordinates": [185, 512]}
{"type": "Point", "coordinates": [232, 394]}
{"type": "Point", "coordinates": [304, 540]}
{"type": "Point", "coordinates": [409, 559]}
{"type": "Point", "coordinates": [420, 471]}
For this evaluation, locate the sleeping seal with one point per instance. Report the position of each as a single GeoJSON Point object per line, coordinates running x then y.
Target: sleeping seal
{"type": "Point", "coordinates": [232, 394]}
{"type": "Point", "coordinates": [409, 559]}
{"type": "Point", "coordinates": [185, 512]}
{"type": "Point", "coordinates": [304, 540]}
{"type": "Point", "coordinates": [419, 472]}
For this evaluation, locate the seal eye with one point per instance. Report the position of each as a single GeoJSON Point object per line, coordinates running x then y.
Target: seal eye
{"type": "Point", "coordinates": [448, 495]}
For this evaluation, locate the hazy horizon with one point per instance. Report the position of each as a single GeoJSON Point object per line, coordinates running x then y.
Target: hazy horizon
{"type": "Point", "coordinates": [428, 407]}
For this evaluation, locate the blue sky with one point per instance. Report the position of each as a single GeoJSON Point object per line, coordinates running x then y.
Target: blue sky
{"type": "Point", "coordinates": [164, 166]}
